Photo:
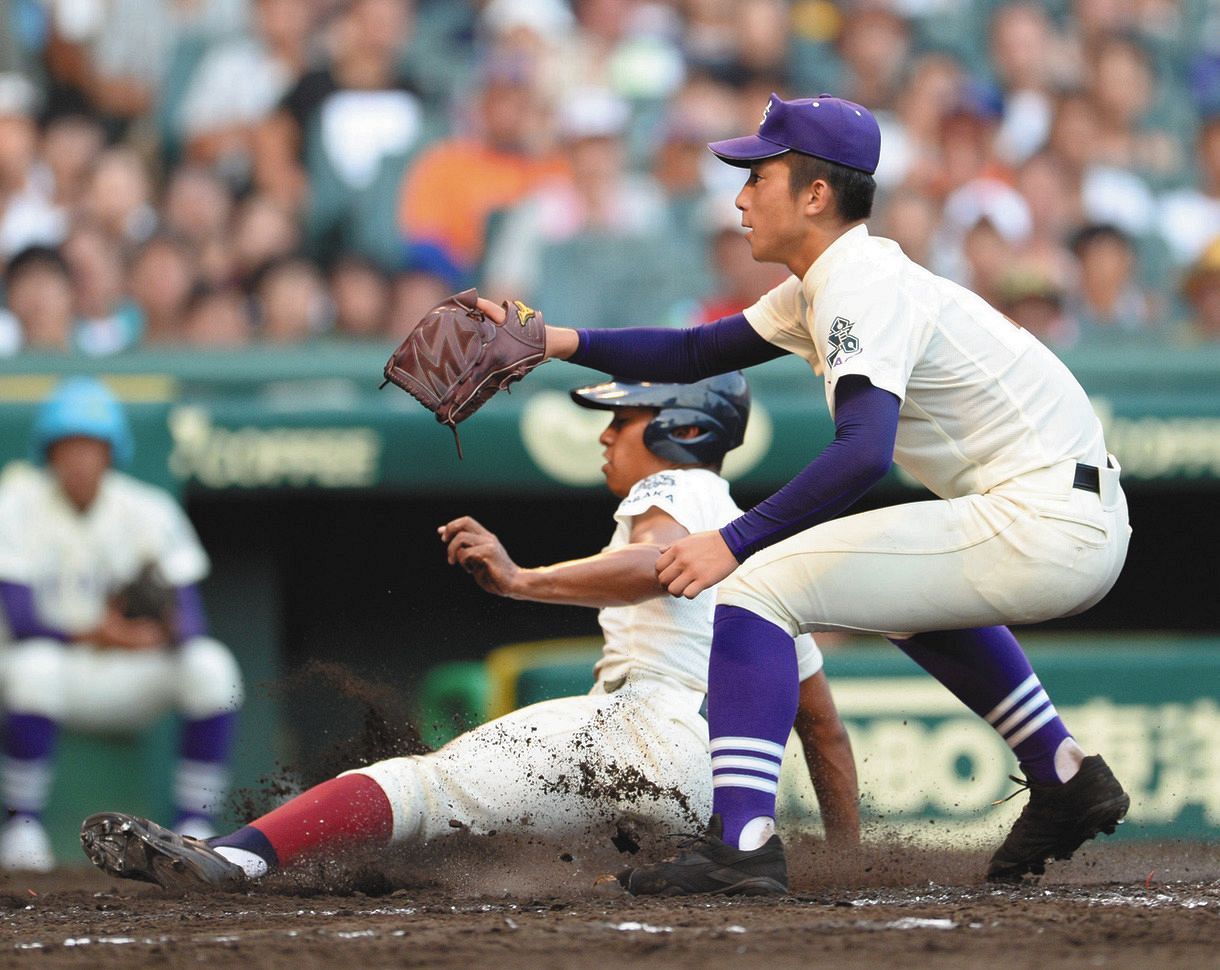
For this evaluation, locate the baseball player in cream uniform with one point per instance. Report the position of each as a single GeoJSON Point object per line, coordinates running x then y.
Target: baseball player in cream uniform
{"type": "Point", "coordinates": [73, 530]}
{"type": "Point", "coordinates": [1029, 522]}
{"type": "Point", "coordinates": [634, 750]}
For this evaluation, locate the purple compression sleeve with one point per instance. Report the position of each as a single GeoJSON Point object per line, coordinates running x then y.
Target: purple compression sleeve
{"type": "Point", "coordinates": [17, 601]}
{"type": "Point", "coordinates": [681, 356]}
{"type": "Point", "coordinates": [192, 621]}
{"type": "Point", "coordinates": [866, 423]}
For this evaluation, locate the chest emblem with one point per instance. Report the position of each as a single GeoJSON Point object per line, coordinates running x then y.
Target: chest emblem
{"type": "Point", "coordinates": [843, 343]}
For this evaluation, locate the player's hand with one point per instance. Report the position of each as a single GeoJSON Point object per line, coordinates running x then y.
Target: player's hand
{"type": "Point", "coordinates": [495, 312]}
{"type": "Point", "coordinates": [117, 632]}
{"type": "Point", "coordinates": [476, 549]}
{"type": "Point", "coordinates": [694, 564]}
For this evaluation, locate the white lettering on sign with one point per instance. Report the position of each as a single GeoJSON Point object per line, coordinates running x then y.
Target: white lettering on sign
{"type": "Point", "coordinates": [270, 457]}
{"type": "Point", "coordinates": [1162, 447]}
{"type": "Point", "coordinates": [921, 756]}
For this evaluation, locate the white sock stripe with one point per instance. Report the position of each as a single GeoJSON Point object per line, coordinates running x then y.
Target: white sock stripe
{"type": "Point", "coordinates": [1009, 724]}
{"type": "Point", "coordinates": [200, 786]}
{"type": "Point", "coordinates": [749, 744]}
{"type": "Point", "coordinates": [27, 783]}
{"type": "Point", "coordinates": [1001, 708]}
{"type": "Point", "coordinates": [1032, 726]}
{"type": "Point", "coordinates": [741, 761]}
{"type": "Point", "coordinates": [745, 781]}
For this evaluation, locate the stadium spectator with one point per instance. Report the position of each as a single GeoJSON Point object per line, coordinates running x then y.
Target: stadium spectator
{"type": "Point", "coordinates": [38, 291]}
{"type": "Point", "coordinates": [71, 144]}
{"type": "Point", "coordinates": [1024, 55]}
{"type": "Point", "coordinates": [119, 199]}
{"type": "Point", "coordinates": [263, 230]}
{"type": "Point", "coordinates": [600, 219]}
{"type": "Point", "coordinates": [237, 83]}
{"type": "Point", "coordinates": [118, 54]}
{"type": "Point", "coordinates": [216, 317]}
{"type": "Point", "coordinates": [1033, 298]}
{"type": "Point", "coordinates": [455, 186]}
{"type": "Point", "coordinates": [1201, 288]}
{"type": "Point", "coordinates": [338, 124]}
{"type": "Point", "coordinates": [360, 293]}
{"type": "Point", "coordinates": [910, 220]}
{"type": "Point", "coordinates": [163, 276]}
{"type": "Point", "coordinates": [108, 320]}
{"type": "Point", "coordinates": [1108, 304]}
{"type": "Point", "coordinates": [28, 214]}
{"type": "Point", "coordinates": [874, 43]}
{"type": "Point", "coordinates": [1189, 217]}
{"type": "Point", "coordinates": [291, 305]}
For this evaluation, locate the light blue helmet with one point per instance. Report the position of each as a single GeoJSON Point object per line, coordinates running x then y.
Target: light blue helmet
{"type": "Point", "coordinates": [83, 407]}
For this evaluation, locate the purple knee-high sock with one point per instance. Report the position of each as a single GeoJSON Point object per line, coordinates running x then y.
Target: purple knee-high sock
{"type": "Point", "coordinates": [202, 776]}
{"type": "Point", "coordinates": [987, 670]}
{"type": "Point", "coordinates": [753, 686]}
{"type": "Point", "coordinates": [29, 747]}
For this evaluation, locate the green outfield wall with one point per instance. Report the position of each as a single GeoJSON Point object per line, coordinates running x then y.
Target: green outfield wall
{"type": "Point", "coordinates": [312, 418]}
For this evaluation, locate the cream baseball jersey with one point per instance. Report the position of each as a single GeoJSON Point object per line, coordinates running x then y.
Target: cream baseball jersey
{"type": "Point", "coordinates": [982, 400]}
{"type": "Point", "coordinates": [74, 561]}
{"type": "Point", "coordinates": [666, 634]}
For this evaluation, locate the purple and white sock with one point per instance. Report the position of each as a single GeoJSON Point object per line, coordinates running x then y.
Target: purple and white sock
{"type": "Point", "coordinates": [28, 768]}
{"type": "Point", "coordinates": [753, 686]}
{"type": "Point", "coordinates": [987, 670]}
{"type": "Point", "coordinates": [202, 776]}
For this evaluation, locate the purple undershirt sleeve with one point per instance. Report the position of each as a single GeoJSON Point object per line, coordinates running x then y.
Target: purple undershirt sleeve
{"type": "Point", "coordinates": [680, 356]}
{"type": "Point", "coordinates": [192, 621]}
{"type": "Point", "coordinates": [866, 424]}
{"type": "Point", "coordinates": [21, 614]}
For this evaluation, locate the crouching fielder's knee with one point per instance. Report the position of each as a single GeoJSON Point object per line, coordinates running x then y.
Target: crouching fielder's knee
{"type": "Point", "coordinates": [209, 679]}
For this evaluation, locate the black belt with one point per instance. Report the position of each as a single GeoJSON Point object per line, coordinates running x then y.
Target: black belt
{"type": "Point", "coordinates": [1087, 479]}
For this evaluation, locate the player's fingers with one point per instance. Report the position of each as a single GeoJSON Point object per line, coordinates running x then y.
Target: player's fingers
{"type": "Point", "coordinates": [474, 556]}
{"type": "Point", "coordinates": [458, 542]}
{"type": "Point", "coordinates": [494, 311]}
{"type": "Point", "coordinates": [453, 526]}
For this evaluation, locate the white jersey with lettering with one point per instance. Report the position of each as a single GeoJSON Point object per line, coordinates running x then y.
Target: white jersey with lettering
{"type": "Point", "coordinates": [668, 634]}
{"type": "Point", "coordinates": [990, 421]}
{"type": "Point", "coordinates": [983, 401]}
{"type": "Point", "coordinates": [635, 748]}
{"type": "Point", "coordinates": [74, 561]}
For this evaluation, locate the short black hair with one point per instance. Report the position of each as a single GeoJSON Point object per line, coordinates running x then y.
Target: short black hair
{"type": "Point", "coordinates": [35, 256]}
{"type": "Point", "coordinates": [1084, 237]}
{"type": "Point", "coordinates": [853, 188]}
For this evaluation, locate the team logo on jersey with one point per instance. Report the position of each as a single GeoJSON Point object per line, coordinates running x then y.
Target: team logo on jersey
{"type": "Point", "coordinates": [843, 343]}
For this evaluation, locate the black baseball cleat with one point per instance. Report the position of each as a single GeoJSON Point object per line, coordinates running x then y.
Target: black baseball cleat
{"type": "Point", "coordinates": [710, 865]}
{"type": "Point", "coordinates": [135, 848]}
{"type": "Point", "coordinates": [1059, 819]}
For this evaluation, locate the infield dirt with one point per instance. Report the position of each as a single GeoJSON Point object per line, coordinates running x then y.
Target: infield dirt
{"type": "Point", "coordinates": [475, 903]}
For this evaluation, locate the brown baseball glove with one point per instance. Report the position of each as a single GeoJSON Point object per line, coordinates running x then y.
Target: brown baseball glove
{"type": "Point", "coordinates": [455, 358]}
{"type": "Point", "coordinates": [148, 596]}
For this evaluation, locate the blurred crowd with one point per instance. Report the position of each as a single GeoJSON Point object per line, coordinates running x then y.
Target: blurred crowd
{"type": "Point", "coordinates": [217, 173]}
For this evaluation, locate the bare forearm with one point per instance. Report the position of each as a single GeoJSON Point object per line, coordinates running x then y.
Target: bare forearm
{"type": "Point", "coordinates": [561, 342]}
{"type": "Point", "coordinates": [829, 759]}
{"type": "Point", "coordinates": [615, 577]}
{"type": "Point", "coordinates": [832, 769]}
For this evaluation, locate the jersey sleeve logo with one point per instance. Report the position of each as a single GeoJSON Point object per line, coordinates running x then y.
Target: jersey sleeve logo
{"type": "Point", "coordinates": [843, 343]}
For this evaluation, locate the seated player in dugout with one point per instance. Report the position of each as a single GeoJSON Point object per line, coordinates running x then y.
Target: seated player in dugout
{"type": "Point", "coordinates": [74, 532]}
{"type": "Point", "coordinates": [1030, 522]}
{"type": "Point", "coordinates": [637, 741]}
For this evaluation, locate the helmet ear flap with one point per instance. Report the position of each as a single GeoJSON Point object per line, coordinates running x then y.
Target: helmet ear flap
{"type": "Point", "coordinates": [705, 448]}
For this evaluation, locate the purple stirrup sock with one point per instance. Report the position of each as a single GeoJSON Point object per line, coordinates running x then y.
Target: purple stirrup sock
{"type": "Point", "coordinates": [209, 738]}
{"type": "Point", "coordinates": [249, 839]}
{"type": "Point", "coordinates": [987, 670]}
{"type": "Point", "coordinates": [29, 737]}
{"type": "Point", "coordinates": [753, 686]}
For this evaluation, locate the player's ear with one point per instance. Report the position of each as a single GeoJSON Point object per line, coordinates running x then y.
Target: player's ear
{"type": "Point", "coordinates": [818, 197]}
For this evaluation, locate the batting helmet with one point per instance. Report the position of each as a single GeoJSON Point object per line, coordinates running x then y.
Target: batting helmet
{"type": "Point", "coordinates": [718, 406]}
{"type": "Point", "coordinates": [83, 407]}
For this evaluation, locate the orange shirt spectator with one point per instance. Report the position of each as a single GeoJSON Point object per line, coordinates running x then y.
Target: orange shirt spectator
{"type": "Point", "coordinates": [454, 186]}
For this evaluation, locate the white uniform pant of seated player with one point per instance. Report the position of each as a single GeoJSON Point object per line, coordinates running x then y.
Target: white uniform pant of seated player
{"type": "Point", "coordinates": [93, 690]}
{"type": "Point", "coordinates": [1032, 549]}
{"type": "Point", "coordinates": [553, 769]}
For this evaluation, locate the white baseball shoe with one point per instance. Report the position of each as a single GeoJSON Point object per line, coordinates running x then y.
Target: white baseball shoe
{"type": "Point", "coordinates": [25, 846]}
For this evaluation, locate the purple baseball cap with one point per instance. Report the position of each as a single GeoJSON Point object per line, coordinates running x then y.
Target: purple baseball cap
{"type": "Point", "coordinates": [826, 127]}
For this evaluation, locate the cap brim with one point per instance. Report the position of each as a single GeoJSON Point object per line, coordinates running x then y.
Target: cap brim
{"type": "Point", "coordinates": [745, 151]}
{"type": "Point", "coordinates": [603, 397]}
